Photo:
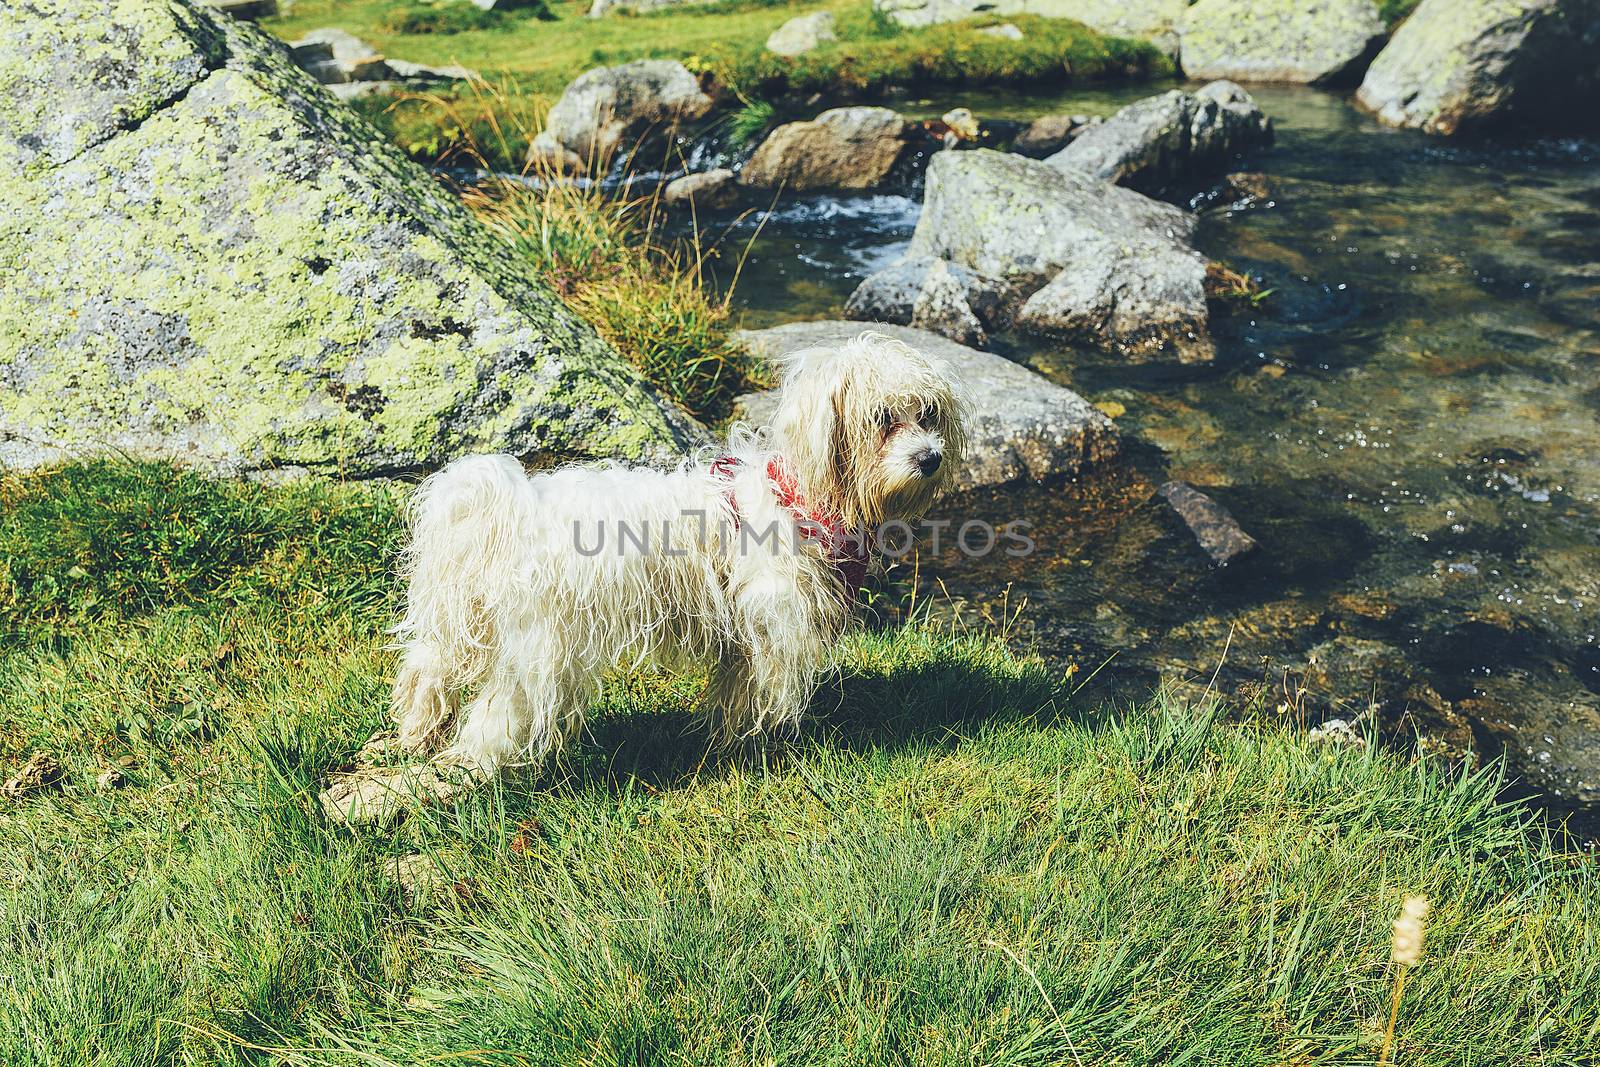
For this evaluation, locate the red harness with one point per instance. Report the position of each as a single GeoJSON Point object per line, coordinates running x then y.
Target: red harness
{"type": "Point", "coordinates": [847, 551]}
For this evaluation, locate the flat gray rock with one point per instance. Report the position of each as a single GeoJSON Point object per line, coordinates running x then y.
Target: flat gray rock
{"type": "Point", "coordinates": [1022, 427]}
{"type": "Point", "coordinates": [931, 294]}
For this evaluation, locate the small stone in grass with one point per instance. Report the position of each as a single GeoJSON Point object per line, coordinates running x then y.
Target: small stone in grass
{"type": "Point", "coordinates": [42, 771]}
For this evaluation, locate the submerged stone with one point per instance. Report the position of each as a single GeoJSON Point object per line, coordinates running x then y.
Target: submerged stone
{"type": "Point", "coordinates": [204, 257]}
{"type": "Point", "coordinates": [1213, 526]}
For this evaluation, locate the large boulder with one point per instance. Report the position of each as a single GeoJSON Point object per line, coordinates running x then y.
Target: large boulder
{"type": "Point", "coordinates": [1458, 64]}
{"type": "Point", "coordinates": [205, 257]}
{"type": "Point", "coordinates": [607, 108]}
{"type": "Point", "coordinates": [1318, 42]}
{"type": "Point", "coordinates": [802, 33]}
{"type": "Point", "coordinates": [1021, 426]}
{"type": "Point", "coordinates": [1161, 143]}
{"type": "Point", "coordinates": [843, 148]}
{"type": "Point", "coordinates": [1087, 260]}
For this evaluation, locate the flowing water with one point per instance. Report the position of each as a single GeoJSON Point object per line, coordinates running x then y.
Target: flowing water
{"type": "Point", "coordinates": [1409, 425]}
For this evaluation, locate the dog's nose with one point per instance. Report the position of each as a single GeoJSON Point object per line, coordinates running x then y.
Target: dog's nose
{"type": "Point", "coordinates": [927, 461]}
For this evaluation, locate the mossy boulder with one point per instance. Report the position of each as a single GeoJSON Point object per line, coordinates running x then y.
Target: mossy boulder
{"type": "Point", "coordinates": [1457, 65]}
{"type": "Point", "coordinates": [1318, 42]}
{"type": "Point", "coordinates": [205, 257]}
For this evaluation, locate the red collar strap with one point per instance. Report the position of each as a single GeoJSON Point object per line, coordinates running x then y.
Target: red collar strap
{"type": "Point", "coordinates": [846, 550]}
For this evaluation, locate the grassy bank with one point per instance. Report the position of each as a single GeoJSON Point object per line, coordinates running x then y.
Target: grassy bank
{"type": "Point", "coordinates": [650, 298]}
{"type": "Point", "coordinates": [530, 60]}
{"type": "Point", "coordinates": [953, 864]}
{"type": "Point", "coordinates": [729, 38]}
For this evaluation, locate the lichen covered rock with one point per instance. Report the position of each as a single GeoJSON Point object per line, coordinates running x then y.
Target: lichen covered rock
{"type": "Point", "coordinates": [209, 259]}
{"type": "Point", "coordinates": [1089, 261]}
{"type": "Point", "coordinates": [1316, 42]}
{"type": "Point", "coordinates": [1020, 426]}
{"type": "Point", "coordinates": [1458, 64]}
{"type": "Point", "coordinates": [1162, 142]}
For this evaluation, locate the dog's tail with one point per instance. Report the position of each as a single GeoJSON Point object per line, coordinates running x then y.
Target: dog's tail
{"type": "Point", "coordinates": [467, 522]}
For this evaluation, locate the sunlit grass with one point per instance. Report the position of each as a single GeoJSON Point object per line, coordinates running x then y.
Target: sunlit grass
{"type": "Point", "coordinates": [954, 864]}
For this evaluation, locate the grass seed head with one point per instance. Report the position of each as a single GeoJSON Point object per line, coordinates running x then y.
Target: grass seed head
{"type": "Point", "coordinates": [1408, 931]}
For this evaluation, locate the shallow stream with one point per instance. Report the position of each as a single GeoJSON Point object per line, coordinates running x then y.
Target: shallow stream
{"type": "Point", "coordinates": [1409, 425]}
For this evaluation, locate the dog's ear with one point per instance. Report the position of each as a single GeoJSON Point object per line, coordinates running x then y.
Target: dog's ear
{"type": "Point", "coordinates": [807, 425]}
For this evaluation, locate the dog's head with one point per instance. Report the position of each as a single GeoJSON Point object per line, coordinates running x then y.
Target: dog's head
{"type": "Point", "coordinates": [873, 429]}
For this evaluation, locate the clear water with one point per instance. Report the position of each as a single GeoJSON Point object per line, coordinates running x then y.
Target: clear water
{"type": "Point", "coordinates": [1410, 427]}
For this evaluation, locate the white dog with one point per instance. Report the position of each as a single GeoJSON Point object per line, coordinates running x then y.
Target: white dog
{"type": "Point", "coordinates": [526, 590]}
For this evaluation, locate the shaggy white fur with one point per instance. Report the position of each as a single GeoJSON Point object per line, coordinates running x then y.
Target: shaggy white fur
{"type": "Point", "coordinates": [526, 590]}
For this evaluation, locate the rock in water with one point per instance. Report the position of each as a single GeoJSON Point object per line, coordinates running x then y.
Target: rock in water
{"type": "Point", "coordinates": [205, 257]}
{"type": "Point", "coordinates": [931, 294]}
{"type": "Point", "coordinates": [1049, 134]}
{"type": "Point", "coordinates": [1318, 42]}
{"type": "Point", "coordinates": [1458, 64]}
{"type": "Point", "coordinates": [607, 108]}
{"type": "Point", "coordinates": [1086, 260]}
{"type": "Point", "coordinates": [843, 148]}
{"type": "Point", "coordinates": [708, 189]}
{"type": "Point", "coordinates": [1164, 141]}
{"type": "Point", "coordinates": [1020, 425]}
{"type": "Point", "coordinates": [1213, 527]}
{"type": "Point", "coordinates": [802, 33]}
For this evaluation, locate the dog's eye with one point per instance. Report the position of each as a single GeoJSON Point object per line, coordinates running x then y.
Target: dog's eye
{"type": "Point", "coordinates": [885, 420]}
{"type": "Point", "coordinates": [929, 415]}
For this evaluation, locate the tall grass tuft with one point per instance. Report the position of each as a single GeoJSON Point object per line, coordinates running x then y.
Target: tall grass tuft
{"type": "Point", "coordinates": [606, 256]}
{"type": "Point", "coordinates": [750, 122]}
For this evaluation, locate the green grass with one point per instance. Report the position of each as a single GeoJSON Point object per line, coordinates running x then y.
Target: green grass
{"type": "Point", "coordinates": [531, 61]}
{"type": "Point", "coordinates": [649, 298]}
{"type": "Point", "coordinates": [954, 863]}
{"type": "Point", "coordinates": [1394, 11]}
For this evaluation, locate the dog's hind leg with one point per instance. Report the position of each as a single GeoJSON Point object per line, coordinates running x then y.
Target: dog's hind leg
{"type": "Point", "coordinates": [492, 728]}
{"type": "Point", "coordinates": [423, 703]}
